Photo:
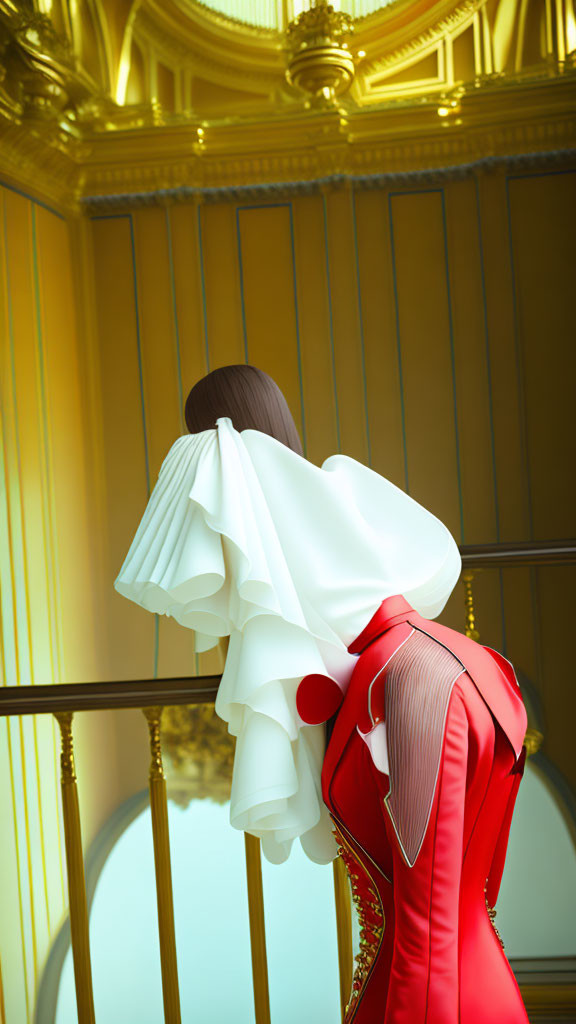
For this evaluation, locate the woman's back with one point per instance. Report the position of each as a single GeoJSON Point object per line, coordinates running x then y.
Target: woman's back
{"type": "Point", "coordinates": [423, 813]}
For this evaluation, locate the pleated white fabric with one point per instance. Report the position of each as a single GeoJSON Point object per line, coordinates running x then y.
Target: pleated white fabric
{"type": "Point", "coordinates": [244, 538]}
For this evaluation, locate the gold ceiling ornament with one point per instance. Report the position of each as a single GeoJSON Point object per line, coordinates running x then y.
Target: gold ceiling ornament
{"type": "Point", "coordinates": [200, 753]}
{"type": "Point", "coordinates": [42, 82]}
{"type": "Point", "coordinates": [319, 60]}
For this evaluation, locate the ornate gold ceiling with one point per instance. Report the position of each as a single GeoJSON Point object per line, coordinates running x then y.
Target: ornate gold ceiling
{"type": "Point", "coordinates": [88, 84]}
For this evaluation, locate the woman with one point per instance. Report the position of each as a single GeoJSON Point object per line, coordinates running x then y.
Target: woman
{"type": "Point", "coordinates": [325, 580]}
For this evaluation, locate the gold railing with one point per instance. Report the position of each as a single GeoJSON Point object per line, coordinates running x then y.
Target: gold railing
{"type": "Point", "coordinates": [152, 696]}
{"type": "Point", "coordinates": [525, 553]}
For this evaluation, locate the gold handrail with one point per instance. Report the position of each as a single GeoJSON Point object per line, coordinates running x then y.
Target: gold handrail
{"type": "Point", "coordinates": [108, 696]}
{"type": "Point", "coordinates": [139, 693]}
{"type": "Point", "coordinates": [520, 554]}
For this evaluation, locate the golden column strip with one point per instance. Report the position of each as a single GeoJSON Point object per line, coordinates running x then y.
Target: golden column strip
{"type": "Point", "coordinates": [561, 44]}
{"type": "Point", "coordinates": [257, 929]}
{"type": "Point", "coordinates": [75, 867]}
{"type": "Point", "coordinates": [471, 630]}
{"type": "Point", "coordinates": [343, 931]}
{"type": "Point", "coordinates": [159, 808]}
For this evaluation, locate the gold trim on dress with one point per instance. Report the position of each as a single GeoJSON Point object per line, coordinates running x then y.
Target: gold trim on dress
{"type": "Point", "coordinates": [370, 913]}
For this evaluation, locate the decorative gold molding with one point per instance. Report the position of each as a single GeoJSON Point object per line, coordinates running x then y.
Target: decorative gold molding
{"type": "Point", "coordinates": [419, 43]}
{"type": "Point", "coordinates": [60, 132]}
{"type": "Point", "coordinates": [319, 59]}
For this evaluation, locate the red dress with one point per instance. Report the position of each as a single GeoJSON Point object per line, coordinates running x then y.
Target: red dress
{"type": "Point", "coordinates": [423, 827]}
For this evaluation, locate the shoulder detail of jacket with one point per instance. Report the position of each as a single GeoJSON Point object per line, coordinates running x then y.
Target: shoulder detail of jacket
{"type": "Point", "coordinates": [492, 675]}
{"type": "Point", "coordinates": [411, 694]}
{"type": "Point", "coordinates": [507, 669]}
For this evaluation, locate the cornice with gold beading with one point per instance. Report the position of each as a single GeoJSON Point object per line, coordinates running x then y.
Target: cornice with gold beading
{"type": "Point", "coordinates": [524, 162]}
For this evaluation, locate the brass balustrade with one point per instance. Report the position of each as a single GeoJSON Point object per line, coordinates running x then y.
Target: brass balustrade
{"type": "Point", "coordinates": [63, 700]}
{"type": "Point", "coordinates": [152, 696]}
{"type": "Point", "coordinates": [257, 930]}
{"type": "Point", "coordinates": [75, 866]}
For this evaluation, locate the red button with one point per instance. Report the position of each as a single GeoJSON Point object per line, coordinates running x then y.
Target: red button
{"type": "Point", "coordinates": [318, 697]}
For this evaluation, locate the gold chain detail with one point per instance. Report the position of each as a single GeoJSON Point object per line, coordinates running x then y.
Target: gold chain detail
{"type": "Point", "coordinates": [370, 919]}
{"type": "Point", "coordinates": [492, 915]}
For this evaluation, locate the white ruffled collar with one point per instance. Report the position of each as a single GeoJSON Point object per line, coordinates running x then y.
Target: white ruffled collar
{"type": "Point", "coordinates": [244, 538]}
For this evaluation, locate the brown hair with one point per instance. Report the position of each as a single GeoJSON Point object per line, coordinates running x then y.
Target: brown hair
{"type": "Point", "coordinates": [249, 397]}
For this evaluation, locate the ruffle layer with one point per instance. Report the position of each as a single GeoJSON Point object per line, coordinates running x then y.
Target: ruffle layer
{"type": "Point", "coordinates": [244, 538]}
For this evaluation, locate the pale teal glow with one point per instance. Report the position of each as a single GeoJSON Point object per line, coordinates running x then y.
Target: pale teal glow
{"type": "Point", "coordinates": [212, 934]}
{"type": "Point", "coordinates": [536, 912]}
{"type": "Point", "coordinates": [301, 940]}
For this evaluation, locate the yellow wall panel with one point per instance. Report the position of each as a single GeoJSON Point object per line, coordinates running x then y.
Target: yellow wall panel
{"type": "Point", "coordinates": [522, 627]}
{"type": "Point", "coordinates": [472, 367]}
{"type": "Point", "coordinates": [16, 951]}
{"type": "Point", "coordinates": [221, 276]}
{"type": "Point", "coordinates": [157, 335]}
{"type": "Point", "coordinates": [269, 298]}
{"type": "Point", "coordinates": [162, 388]}
{"type": "Point", "coordinates": [176, 646]}
{"type": "Point", "coordinates": [555, 590]}
{"type": "Point", "coordinates": [187, 282]}
{"type": "Point", "coordinates": [131, 630]}
{"type": "Point", "coordinates": [384, 396]}
{"type": "Point", "coordinates": [32, 557]}
{"type": "Point", "coordinates": [348, 343]}
{"type": "Point", "coordinates": [425, 341]}
{"type": "Point", "coordinates": [29, 520]}
{"type": "Point", "coordinates": [542, 230]}
{"type": "Point", "coordinates": [67, 451]}
{"type": "Point", "coordinates": [510, 466]}
{"type": "Point", "coordinates": [44, 492]}
{"type": "Point", "coordinates": [320, 400]}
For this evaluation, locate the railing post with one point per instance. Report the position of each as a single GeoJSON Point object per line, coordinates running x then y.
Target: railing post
{"type": "Point", "coordinates": [343, 931]}
{"type": "Point", "coordinates": [75, 867]}
{"type": "Point", "coordinates": [257, 929]}
{"type": "Point", "coordinates": [166, 931]}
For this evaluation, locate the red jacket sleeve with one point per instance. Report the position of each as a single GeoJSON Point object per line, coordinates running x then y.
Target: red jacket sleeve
{"type": "Point", "coordinates": [424, 978]}
{"type": "Point", "coordinates": [499, 858]}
